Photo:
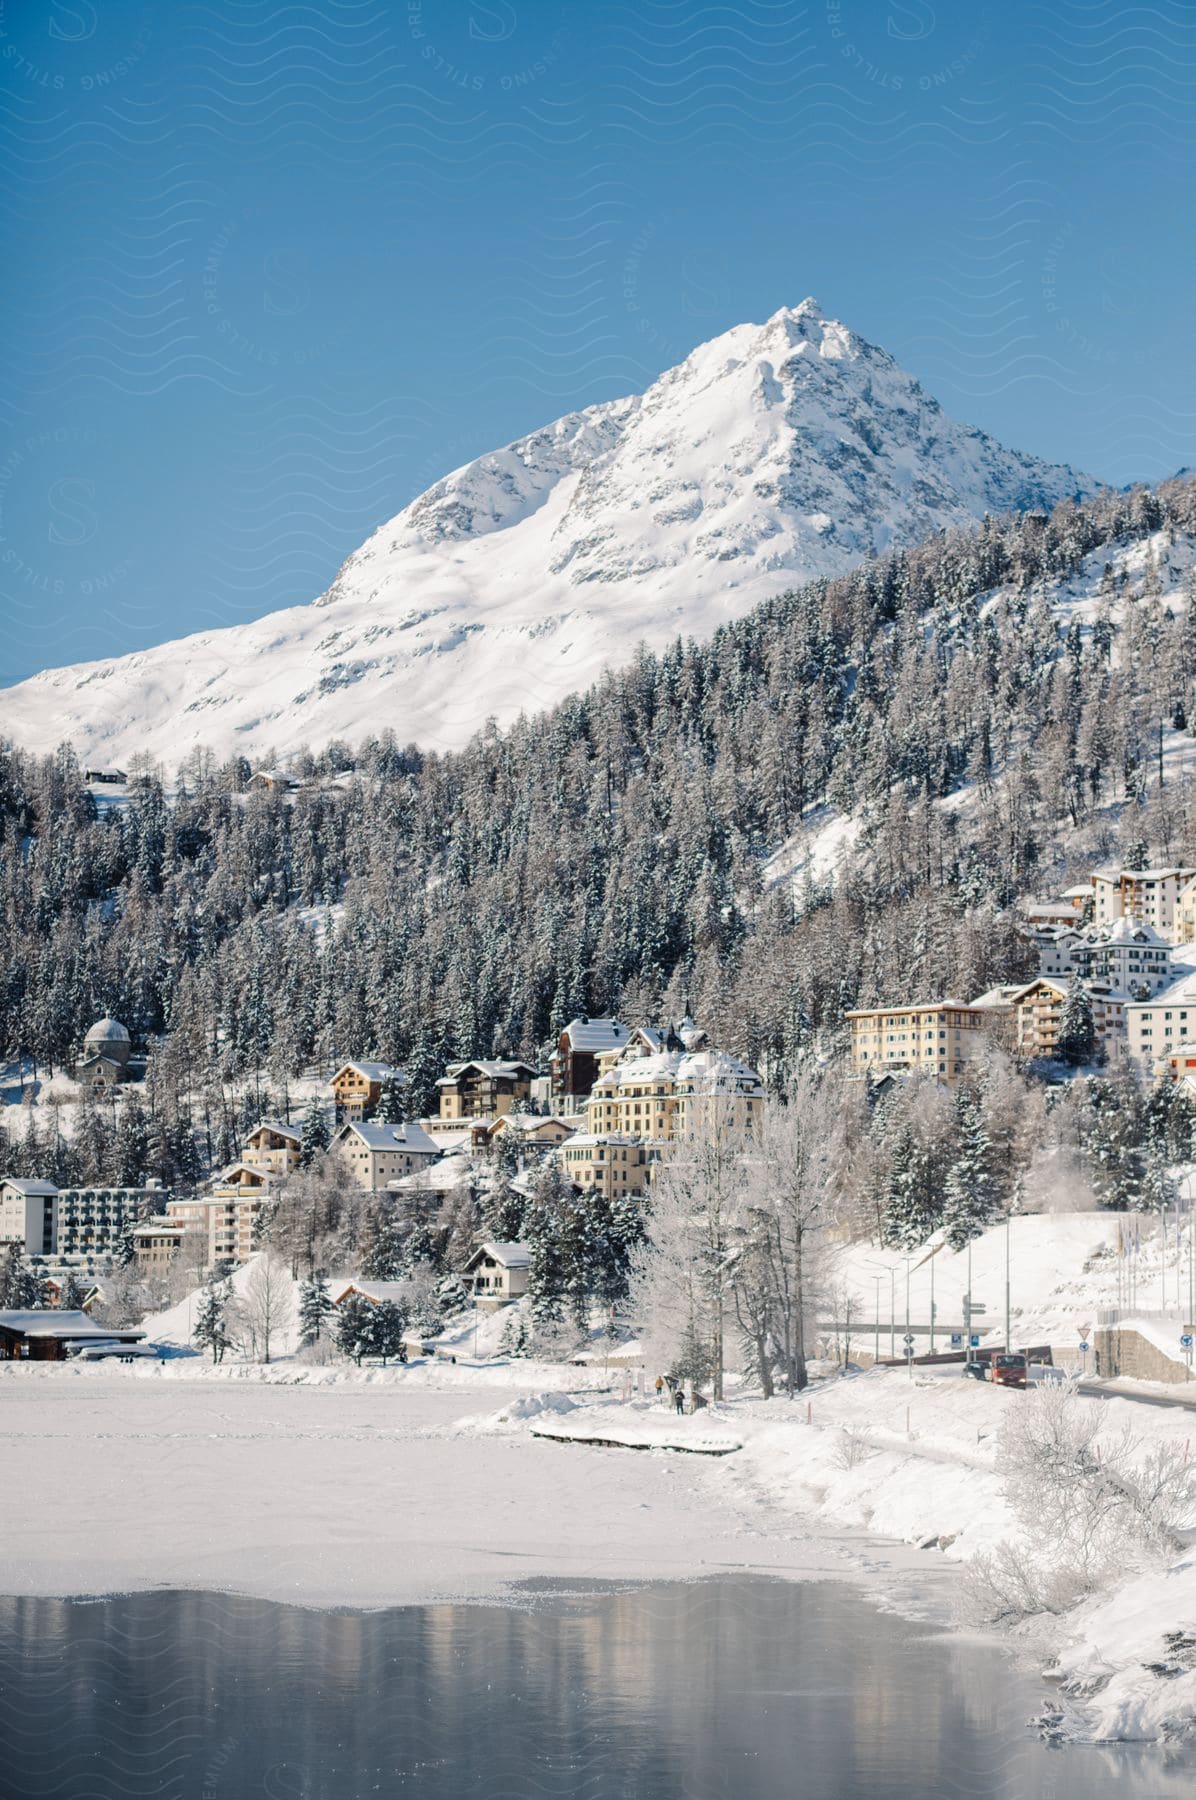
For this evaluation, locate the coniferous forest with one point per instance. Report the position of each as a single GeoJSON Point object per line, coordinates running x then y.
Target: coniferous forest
{"type": "Point", "coordinates": [612, 855]}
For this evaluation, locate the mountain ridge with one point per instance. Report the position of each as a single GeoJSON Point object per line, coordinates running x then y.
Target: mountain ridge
{"type": "Point", "coordinates": [773, 454]}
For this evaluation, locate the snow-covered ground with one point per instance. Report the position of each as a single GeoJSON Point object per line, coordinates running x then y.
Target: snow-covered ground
{"type": "Point", "coordinates": [1063, 1268]}
{"type": "Point", "coordinates": [333, 1486]}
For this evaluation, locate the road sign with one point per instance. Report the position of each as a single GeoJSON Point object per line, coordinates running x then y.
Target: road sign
{"type": "Point", "coordinates": [974, 1340]}
{"type": "Point", "coordinates": [1186, 1340]}
{"type": "Point", "coordinates": [975, 1306]}
{"type": "Point", "coordinates": [1083, 1345]}
{"type": "Point", "coordinates": [909, 1340]}
{"type": "Point", "coordinates": [957, 1340]}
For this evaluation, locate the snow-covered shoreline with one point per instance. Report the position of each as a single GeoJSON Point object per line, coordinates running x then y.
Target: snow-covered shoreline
{"type": "Point", "coordinates": [334, 1487]}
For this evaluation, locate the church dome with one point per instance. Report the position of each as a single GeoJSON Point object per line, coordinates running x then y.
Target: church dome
{"type": "Point", "coordinates": [108, 1037]}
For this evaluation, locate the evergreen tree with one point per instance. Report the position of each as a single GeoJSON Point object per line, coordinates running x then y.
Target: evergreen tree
{"type": "Point", "coordinates": [912, 1206]}
{"type": "Point", "coordinates": [516, 1340]}
{"type": "Point", "coordinates": [23, 1288]}
{"type": "Point", "coordinates": [1076, 1042]}
{"type": "Point", "coordinates": [354, 1327]}
{"type": "Point", "coordinates": [381, 1255]}
{"type": "Point", "coordinates": [316, 1136]}
{"type": "Point", "coordinates": [970, 1194]}
{"type": "Point", "coordinates": [71, 1295]}
{"type": "Point", "coordinates": [390, 1102]}
{"type": "Point", "coordinates": [388, 1331]}
{"type": "Point", "coordinates": [315, 1308]}
{"type": "Point", "coordinates": [211, 1330]}
{"type": "Point", "coordinates": [503, 1210]}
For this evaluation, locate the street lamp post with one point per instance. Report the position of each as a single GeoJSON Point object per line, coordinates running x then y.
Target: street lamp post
{"type": "Point", "coordinates": [876, 1320]}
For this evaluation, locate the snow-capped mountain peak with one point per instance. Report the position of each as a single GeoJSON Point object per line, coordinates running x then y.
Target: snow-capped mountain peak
{"type": "Point", "coordinates": [774, 453]}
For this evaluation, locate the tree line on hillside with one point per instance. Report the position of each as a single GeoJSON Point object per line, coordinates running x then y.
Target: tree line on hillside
{"type": "Point", "coordinates": [609, 855]}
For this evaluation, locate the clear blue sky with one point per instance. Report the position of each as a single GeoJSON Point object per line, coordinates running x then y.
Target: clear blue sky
{"type": "Point", "coordinates": [272, 268]}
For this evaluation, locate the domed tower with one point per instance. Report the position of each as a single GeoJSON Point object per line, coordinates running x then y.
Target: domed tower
{"type": "Point", "coordinates": [108, 1038]}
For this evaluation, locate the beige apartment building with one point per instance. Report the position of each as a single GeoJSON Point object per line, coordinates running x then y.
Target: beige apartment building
{"type": "Point", "coordinates": [156, 1243]}
{"type": "Point", "coordinates": [612, 1163]}
{"type": "Point", "coordinates": [660, 1096]}
{"type": "Point", "coordinates": [939, 1037]}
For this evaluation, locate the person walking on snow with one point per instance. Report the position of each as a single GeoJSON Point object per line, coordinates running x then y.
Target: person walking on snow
{"type": "Point", "coordinates": [679, 1399]}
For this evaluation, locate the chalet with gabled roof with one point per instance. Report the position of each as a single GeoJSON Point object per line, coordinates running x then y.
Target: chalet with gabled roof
{"type": "Point", "coordinates": [357, 1088]}
{"type": "Point", "coordinates": [497, 1274]}
{"type": "Point", "coordinates": [273, 1146]}
{"type": "Point", "coordinates": [479, 1090]}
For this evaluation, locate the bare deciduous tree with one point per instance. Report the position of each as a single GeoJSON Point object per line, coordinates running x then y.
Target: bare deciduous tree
{"type": "Point", "coordinates": [266, 1307]}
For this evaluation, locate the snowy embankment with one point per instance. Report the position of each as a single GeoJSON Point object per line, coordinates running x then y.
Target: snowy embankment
{"type": "Point", "coordinates": [919, 1460]}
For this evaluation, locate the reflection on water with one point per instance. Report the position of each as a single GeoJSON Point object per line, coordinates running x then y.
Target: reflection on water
{"type": "Point", "coordinates": [740, 1689]}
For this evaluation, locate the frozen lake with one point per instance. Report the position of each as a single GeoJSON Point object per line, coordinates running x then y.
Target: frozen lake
{"type": "Point", "coordinates": [741, 1688]}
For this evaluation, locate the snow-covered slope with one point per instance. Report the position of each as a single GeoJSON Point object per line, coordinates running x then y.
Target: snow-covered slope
{"type": "Point", "coordinates": [772, 454]}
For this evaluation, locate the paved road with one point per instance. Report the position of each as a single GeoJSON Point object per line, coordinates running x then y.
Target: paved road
{"type": "Point", "coordinates": [1113, 1390]}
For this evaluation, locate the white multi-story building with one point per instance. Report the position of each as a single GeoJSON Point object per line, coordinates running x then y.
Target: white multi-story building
{"type": "Point", "coordinates": [1125, 954]}
{"type": "Point", "coordinates": [29, 1215]}
{"type": "Point", "coordinates": [1156, 1027]}
{"type": "Point", "coordinates": [1148, 895]}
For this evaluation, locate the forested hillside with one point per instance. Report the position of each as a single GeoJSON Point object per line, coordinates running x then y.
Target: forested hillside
{"type": "Point", "coordinates": [977, 706]}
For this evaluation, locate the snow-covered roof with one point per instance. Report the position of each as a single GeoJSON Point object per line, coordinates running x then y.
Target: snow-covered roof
{"type": "Point", "coordinates": [1142, 874]}
{"type": "Point", "coordinates": [697, 1070]}
{"type": "Point", "coordinates": [1125, 930]}
{"type": "Point", "coordinates": [1182, 989]}
{"type": "Point", "coordinates": [585, 1140]}
{"type": "Point", "coordinates": [373, 1071]}
{"type": "Point", "coordinates": [596, 1035]}
{"type": "Point", "coordinates": [998, 996]}
{"type": "Point", "coordinates": [527, 1121]}
{"type": "Point", "coordinates": [439, 1177]}
{"type": "Point", "coordinates": [293, 1132]}
{"type": "Point", "coordinates": [407, 1136]}
{"type": "Point", "coordinates": [107, 1031]}
{"type": "Point", "coordinates": [31, 1189]}
{"type": "Point", "coordinates": [63, 1325]}
{"type": "Point", "coordinates": [493, 1069]}
{"type": "Point", "coordinates": [373, 1290]}
{"type": "Point", "coordinates": [510, 1256]}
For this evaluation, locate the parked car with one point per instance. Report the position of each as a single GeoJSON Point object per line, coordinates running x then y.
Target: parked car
{"type": "Point", "coordinates": [977, 1370]}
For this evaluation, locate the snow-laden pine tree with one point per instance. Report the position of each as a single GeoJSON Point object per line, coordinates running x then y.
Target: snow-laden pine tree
{"type": "Point", "coordinates": [913, 1200]}
{"type": "Point", "coordinates": [382, 1243]}
{"type": "Point", "coordinates": [389, 1110]}
{"type": "Point", "coordinates": [388, 1331]}
{"type": "Point", "coordinates": [316, 1136]}
{"type": "Point", "coordinates": [970, 1194]}
{"type": "Point", "coordinates": [354, 1327]}
{"type": "Point", "coordinates": [211, 1328]}
{"type": "Point", "coordinates": [517, 1339]}
{"type": "Point", "coordinates": [71, 1294]}
{"type": "Point", "coordinates": [315, 1309]}
{"type": "Point", "coordinates": [1076, 1040]}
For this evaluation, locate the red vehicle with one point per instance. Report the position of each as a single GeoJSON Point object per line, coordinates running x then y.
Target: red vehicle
{"type": "Point", "coordinates": [1008, 1369]}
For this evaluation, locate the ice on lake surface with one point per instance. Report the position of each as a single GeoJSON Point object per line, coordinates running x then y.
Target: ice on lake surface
{"type": "Point", "coordinates": [745, 1688]}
